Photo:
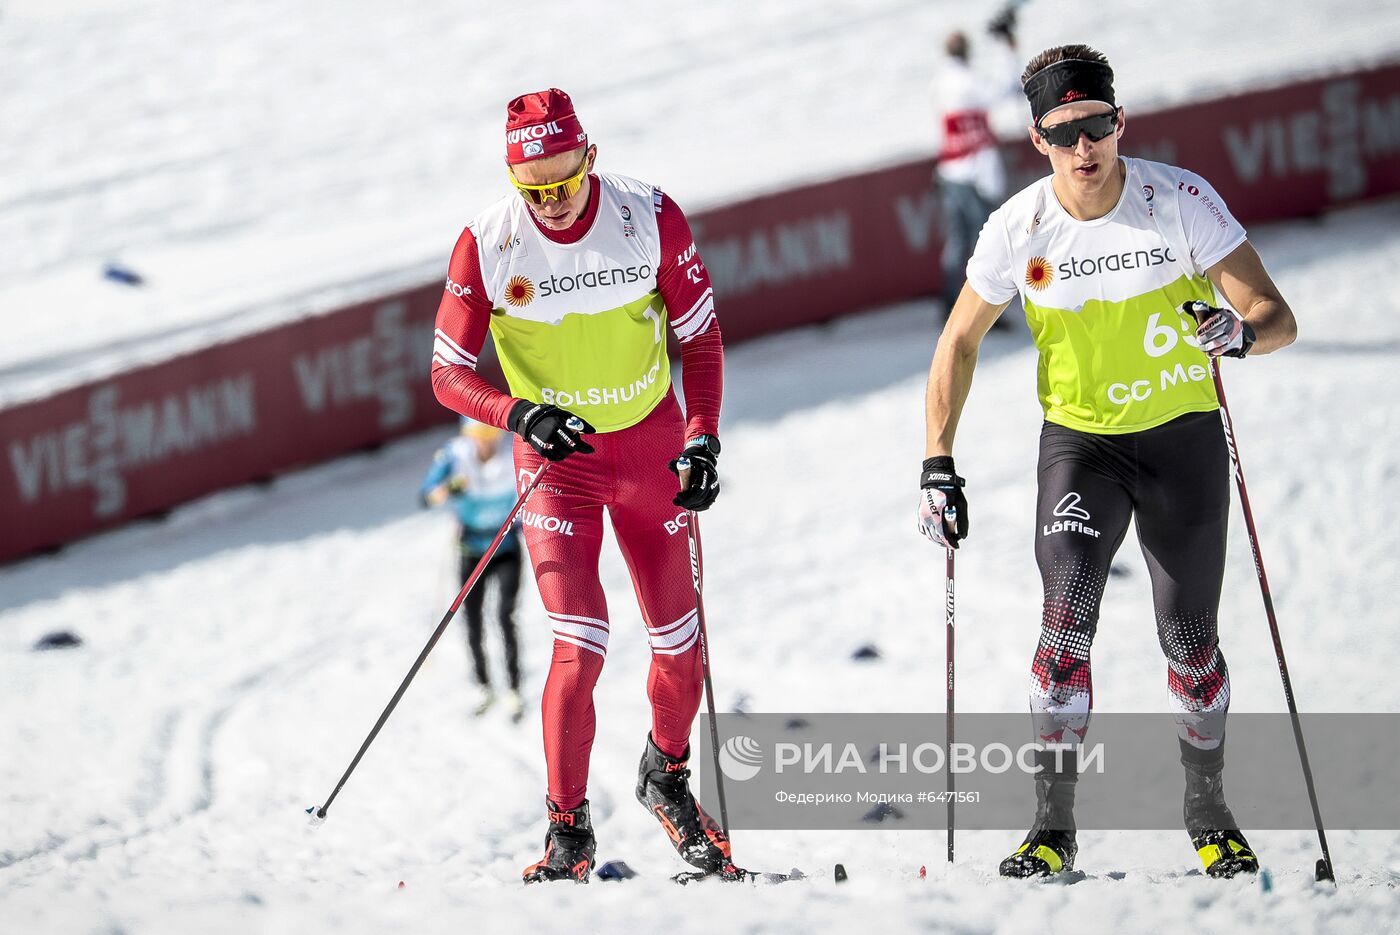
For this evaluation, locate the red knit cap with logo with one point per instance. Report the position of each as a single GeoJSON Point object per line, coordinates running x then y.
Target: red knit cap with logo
{"type": "Point", "coordinates": [541, 124]}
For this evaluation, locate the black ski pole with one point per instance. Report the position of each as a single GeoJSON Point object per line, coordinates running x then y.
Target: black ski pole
{"type": "Point", "coordinates": [318, 814]}
{"type": "Point", "coordinates": [949, 628]}
{"type": "Point", "coordinates": [1324, 869]}
{"type": "Point", "coordinates": [692, 528]}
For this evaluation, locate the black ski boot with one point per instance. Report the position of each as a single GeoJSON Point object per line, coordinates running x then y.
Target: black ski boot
{"type": "Point", "coordinates": [1049, 847]}
{"type": "Point", "coordinates": [1214, 834]}
{"type": "Point", "coordinates": [663, 788]}
{"type": "Point", "coordinates": [568, 846]}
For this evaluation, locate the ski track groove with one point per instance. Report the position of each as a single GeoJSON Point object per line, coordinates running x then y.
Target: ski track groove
{"type": "Point", "coordinates": [152, 788]}
{"type": "Point", "coordinates": [159, 766]}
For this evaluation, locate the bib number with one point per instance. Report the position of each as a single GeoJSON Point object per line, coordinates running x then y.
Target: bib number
{"type": "Point", "coordinates": [1159, 339]}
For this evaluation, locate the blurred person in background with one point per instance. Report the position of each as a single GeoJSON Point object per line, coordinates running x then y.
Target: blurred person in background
{"type": "Point", "coordinates": [579, 276]}
{"type": "Point", "coordinates": [475, 473]}
{"type": "Point", "coordinates": [969, 176]}
{"type": "Point", "coordinates": [1120, 264]}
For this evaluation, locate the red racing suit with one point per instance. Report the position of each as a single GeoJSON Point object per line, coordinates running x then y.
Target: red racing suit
{"type": "Point", "coordinates": [632, 254]}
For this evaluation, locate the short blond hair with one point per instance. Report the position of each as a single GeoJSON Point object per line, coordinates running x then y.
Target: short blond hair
{"type": "Point", "coordinates": [480, 430]}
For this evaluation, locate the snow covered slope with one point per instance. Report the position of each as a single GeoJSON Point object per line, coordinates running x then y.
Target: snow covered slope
{"type": "Point", "coordinates": [153, 780]}
{"type": "Point", "coordinates": [257, 160]}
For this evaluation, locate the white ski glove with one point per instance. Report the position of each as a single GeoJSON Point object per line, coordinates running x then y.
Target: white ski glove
{"type": "Point", "coordinates": [1222, 331]}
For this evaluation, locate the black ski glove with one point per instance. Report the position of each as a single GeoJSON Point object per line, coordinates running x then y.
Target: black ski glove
{"type": "Point", "coordinates": [942, 498]}
{"type": "Point", "coordinates": [553, 432]}
{"type": "Point", "coordinates": [702, 483]}
{"type": "Point", "coordinates": [1221, 332]}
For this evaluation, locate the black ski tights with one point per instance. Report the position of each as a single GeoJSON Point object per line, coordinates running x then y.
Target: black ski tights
{"type": "Point", "coordinates": [504, 570]}
{"type": "Point", "coordinates": [1174, 480]}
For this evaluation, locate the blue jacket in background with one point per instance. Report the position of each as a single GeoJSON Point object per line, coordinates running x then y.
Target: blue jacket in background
{"type": "Point", "coordinates": [489, 496]}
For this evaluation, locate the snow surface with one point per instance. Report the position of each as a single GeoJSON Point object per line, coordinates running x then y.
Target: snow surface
{"type": "Point", "coordinates": [236, 654]}
{"type": "Point", "coordinates": [258, 161]}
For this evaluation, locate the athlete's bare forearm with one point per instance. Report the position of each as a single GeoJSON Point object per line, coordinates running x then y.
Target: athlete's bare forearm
{"type": "Point", "coordinates": [1273, 324]}
{"type": "Point", "coordinates": [954, 360]}
{"type": "Point", "coordinates": [949, 381]}
{"type": "Point", "coordinates": [1242, 279]}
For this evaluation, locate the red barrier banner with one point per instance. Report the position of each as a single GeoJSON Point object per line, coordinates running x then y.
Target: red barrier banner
{"type": "Point", "coordinates": [822, 251]}
{"type": "Point", "coordinates": [143, 441]}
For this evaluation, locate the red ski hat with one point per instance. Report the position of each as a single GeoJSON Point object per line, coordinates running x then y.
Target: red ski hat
{"type": "Point", "coordinates": [541, 124]}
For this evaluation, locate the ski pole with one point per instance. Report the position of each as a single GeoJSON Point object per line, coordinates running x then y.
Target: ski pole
{"type": "Point", "coordinates": [318, 814]}
{"type": "Point", "coordinates": [692, 528]}
{"type": "Point", "coordinates": [1324, 864]}
{"type": "Point", "coordinates": [949, 629]}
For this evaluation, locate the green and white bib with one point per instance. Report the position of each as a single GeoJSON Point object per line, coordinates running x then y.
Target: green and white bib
{"type": "Point", "coordinates": [1101, 296]}
{"type": "Point", "coordinates": [581, 325]}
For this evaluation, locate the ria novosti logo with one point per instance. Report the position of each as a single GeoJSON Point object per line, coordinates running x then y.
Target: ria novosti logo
{"type": "Point", "coordinates": [741, 758]}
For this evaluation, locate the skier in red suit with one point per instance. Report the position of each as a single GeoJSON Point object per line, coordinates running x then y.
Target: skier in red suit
{"type": "Point", "coordinates": [579, 275]}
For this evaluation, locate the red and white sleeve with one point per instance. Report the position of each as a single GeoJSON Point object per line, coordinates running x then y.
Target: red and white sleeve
{"type": "Point", "coordinates": [684, 283]}
{"type": "Point", "coordinates": [462, 320]}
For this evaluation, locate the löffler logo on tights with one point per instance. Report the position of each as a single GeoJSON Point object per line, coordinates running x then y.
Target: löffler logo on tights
{"type": "Point", "coordinates": [547, 523]}
{"type": "Point", "coordinates": [1075, 515]}
{"type": "Point", "coordinates": [1069, 506]}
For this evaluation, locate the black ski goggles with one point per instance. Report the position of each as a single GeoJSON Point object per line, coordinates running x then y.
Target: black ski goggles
{"type": "Point", "coordinates": [1067, 134]}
